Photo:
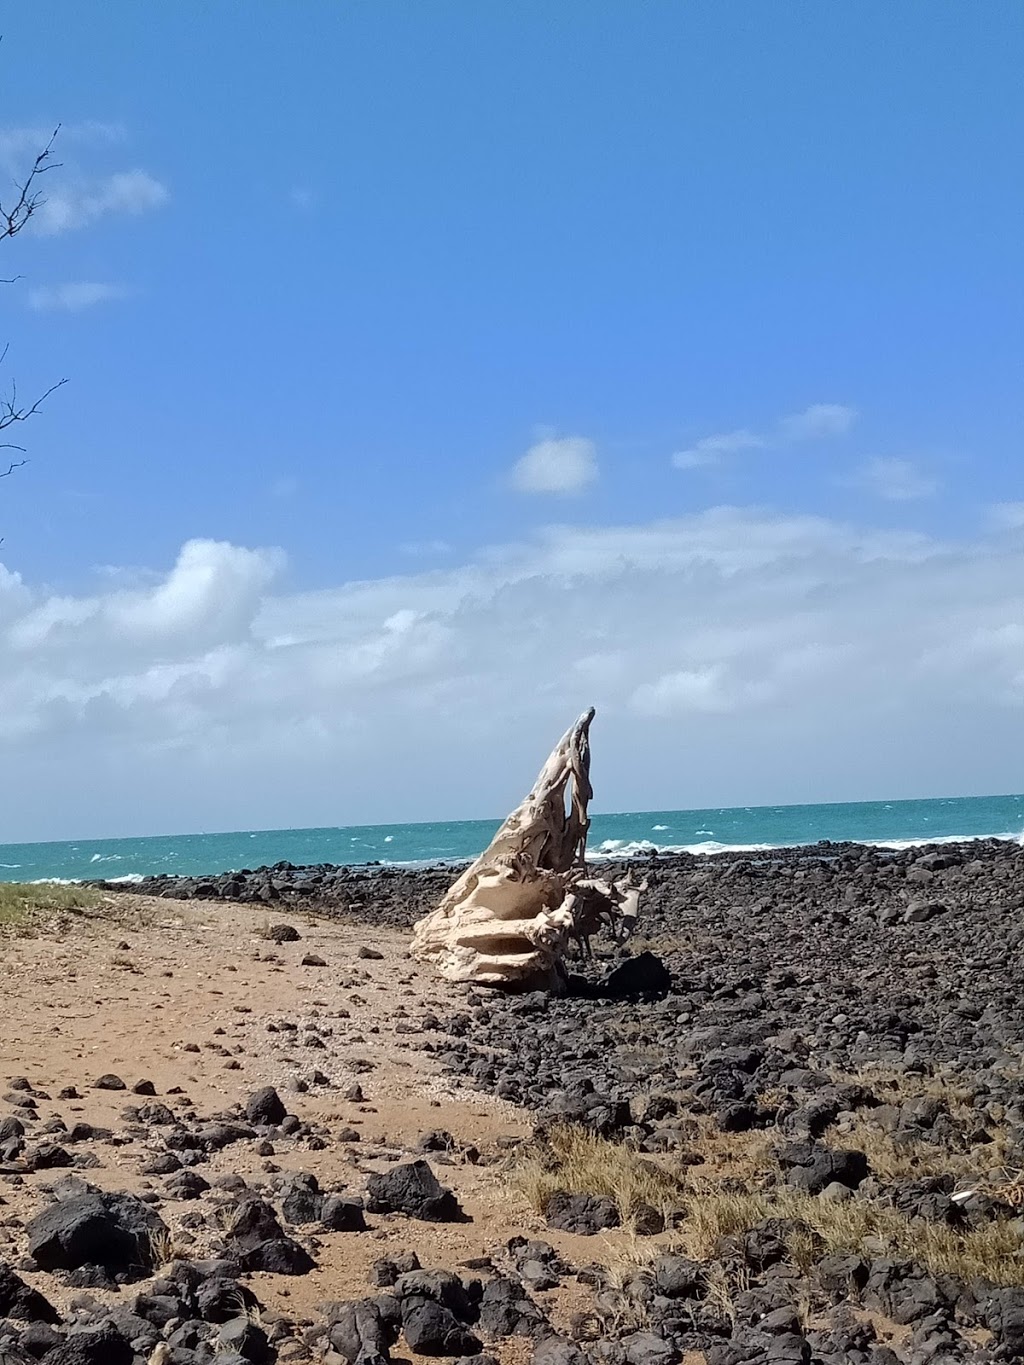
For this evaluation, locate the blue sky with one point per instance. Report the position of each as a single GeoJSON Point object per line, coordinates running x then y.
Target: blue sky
{"type": "Point", "coordinates": [397, 308]}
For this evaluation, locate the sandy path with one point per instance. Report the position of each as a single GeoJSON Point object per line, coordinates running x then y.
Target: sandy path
{"type": "Point", "coordinates": [184, 995]}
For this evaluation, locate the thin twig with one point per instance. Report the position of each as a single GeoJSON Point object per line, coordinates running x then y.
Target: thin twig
{"type": "Point", "coordinates": [13, 219]}
{"type": "Point", "coordinates": [11, 413]}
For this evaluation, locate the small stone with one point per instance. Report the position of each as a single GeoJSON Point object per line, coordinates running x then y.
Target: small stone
{"type": "Point", "coordinates": [265, 1107]}
{"type": "Point", "coordinates": [109, 1082]}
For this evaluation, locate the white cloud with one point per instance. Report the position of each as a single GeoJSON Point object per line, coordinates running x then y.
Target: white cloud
{"type": "Point", "coordinates": [1007, 516]}
{"type": "Point", "coordinates": [76, 205]}
{"type": "Point", "coordinates": [710, 449]}
{"type": "Point", "coordinates": [207, 599]}
{"type": "Point", "coordinates": [895, 480]}
{"type": "Point", "coordinates": [735, 656]}
{"type": "Point", "coordinates": [425, 549]}
{"type": "Point", "coordinates": [75, 296]}
{"type": "Point", "coordinates": [675, 694]}
{"type": "Point", "coordinates": [564, 464]}
{"type": "Point", "coordinates": [817, 422]}
{"type": "Point", "coordinates": [71, 197]}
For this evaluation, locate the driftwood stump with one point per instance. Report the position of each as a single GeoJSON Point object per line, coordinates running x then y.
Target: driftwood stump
{"type": "Point", "coordinates": [508, 920]}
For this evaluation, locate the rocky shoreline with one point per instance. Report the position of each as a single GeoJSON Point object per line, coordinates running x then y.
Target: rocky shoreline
{"type": "Point", "coordinates": [798, 1098]}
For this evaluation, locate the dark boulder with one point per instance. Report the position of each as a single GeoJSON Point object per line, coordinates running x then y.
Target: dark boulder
{"type": "Point", "coordinates": [678, 1278]}
{"type": "Point", "coordinates": [109, 1082]}
{"type": "Point", "coordinates": [301, 1199]}
{"type": "Point", "coordinates": [645, 1348]}
{"type": "Point", "coordinates": [265, 1107]}
{"type": "Point", "coordinates": [413, 1189]}
{"type": "Point", "coordinates": [362, 1332]}
{"type": "Point", "coordinates": [21, 1302]}
{"type": "Point", "coordinates": [431, 1329]}
{"type": "Point", "coordinates": [246, 1339]}
{"type": "Point", "coordinates": [115, 1231]}
{"type": "Point", "coordinates": [506, 1310]}
{"type": "Point", "coordinates": [103, 1347]}
{"type": "Point", "coordinates": [442, 1286]}
{"type": "Point", "coordinates": [811, 1167]}
{"type": "Point", "coordinates": [259, 1242]}
{"type": "Point", "coordinates": [584, 1214]}
{"type": "Point", "coordinates": [219, 1299]}
{"type": "Point", "coordinates": [1005, 1320]}
{"type": "Point", "coordinates": [643, 975]}
{"type": "Point", "coordinates": [555, 1350]}
{"type": "Point", "coordinates": [342, 1215]}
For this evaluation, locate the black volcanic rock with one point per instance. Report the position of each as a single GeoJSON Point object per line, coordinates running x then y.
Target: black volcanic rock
{"type": "Point", "coordinates": [115, 1231]}
{"type": "Point", "coordinates": [21, 1302]}
{"type": "Point", "coordinates": [413, 1189]}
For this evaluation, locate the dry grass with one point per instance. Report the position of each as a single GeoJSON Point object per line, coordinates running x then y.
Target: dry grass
{"type": "Point", "coordinates": [900, 1156]}
{"type": "Point", "coordinates": [572, 1159]}
{"type": "Point", "coordinates": [994, 1251]}
{"type": "Point", "coordinates": [896, 1087]}
{"type": "Point", "coordinates": [721, 1200]}
{"type": "Point", "coordinates": [23, 903]}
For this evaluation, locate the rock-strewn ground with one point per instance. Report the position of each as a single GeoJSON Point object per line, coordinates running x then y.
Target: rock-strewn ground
{"type": "Point", "coordinates": [785, 1124]}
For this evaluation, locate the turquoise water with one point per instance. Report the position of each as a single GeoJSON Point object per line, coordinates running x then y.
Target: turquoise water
{"type": "Point", "coordinates": [699, 831]}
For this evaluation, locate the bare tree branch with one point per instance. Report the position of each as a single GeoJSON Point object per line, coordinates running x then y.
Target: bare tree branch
{"type": "Point", "coordinates": [13, 217]}
{"type": "Point", "coordinates": [11, 413]}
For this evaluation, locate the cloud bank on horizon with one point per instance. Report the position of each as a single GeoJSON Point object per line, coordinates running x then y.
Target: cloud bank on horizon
{"type": "Point", "coordinates": [735, 656]}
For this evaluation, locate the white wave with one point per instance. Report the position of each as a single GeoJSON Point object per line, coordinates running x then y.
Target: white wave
{"type": "Point", "coordinates": [622, 848]}
{"type": "Point", "coordinates": [10, 864]}
{"type": "Point", "coordinates": [132, 877]}
{"type": "Point", "coordinates": [389, 838]}
{"type": "Point", "coordinates": [709, 832]}
{"type": "Point", "coordinates": [56, 881]}
{"type": "Point", "coordinates": [105, 858]}
{"type": "Point", "coordinates": [897, 845]}
{"type": "Point", "coordinates": [660, 827]}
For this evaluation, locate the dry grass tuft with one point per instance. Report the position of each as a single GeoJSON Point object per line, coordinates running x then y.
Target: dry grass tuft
{"type": "Point", "coordinates": [21, 903]}
{"type": "Point", "coordinates": [572, 1159]}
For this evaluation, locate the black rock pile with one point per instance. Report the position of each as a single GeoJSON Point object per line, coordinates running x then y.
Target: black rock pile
{"type": "Point", "coordinates": [796, 994]}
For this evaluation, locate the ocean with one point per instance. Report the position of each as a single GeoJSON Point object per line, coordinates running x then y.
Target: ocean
{"type": "Point", "coordinates": [892, 824]}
